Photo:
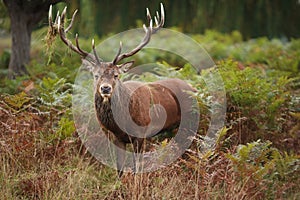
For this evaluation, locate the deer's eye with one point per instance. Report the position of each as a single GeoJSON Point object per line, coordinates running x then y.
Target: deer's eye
{"type": "Point", "coordinates": [116, 76]}
{"type": "Point", "coordinates": [96, 76]}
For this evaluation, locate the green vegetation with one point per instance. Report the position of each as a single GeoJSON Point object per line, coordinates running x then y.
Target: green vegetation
{"type": "Point", "coordinates": [257, 157]}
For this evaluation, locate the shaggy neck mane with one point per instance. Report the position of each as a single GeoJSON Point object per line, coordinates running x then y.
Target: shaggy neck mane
{"type": "Point", "coordinates": [104, 108]}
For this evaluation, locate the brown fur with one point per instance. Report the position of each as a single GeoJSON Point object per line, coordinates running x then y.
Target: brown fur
{"type": "Point", "coordinates": [164, 92]}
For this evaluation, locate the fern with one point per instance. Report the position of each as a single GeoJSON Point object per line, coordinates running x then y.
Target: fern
{"type": "Point", "coordinates": [54, 92]}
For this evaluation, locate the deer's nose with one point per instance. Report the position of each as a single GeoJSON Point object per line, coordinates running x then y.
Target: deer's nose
{"type": "Point", "coordinates": [105, 89]}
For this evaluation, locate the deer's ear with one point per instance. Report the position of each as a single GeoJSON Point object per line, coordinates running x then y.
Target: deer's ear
{"type": "Point", "coordinates": [87, 65]}
{"type": "Point", "coordinates": [125, 66]}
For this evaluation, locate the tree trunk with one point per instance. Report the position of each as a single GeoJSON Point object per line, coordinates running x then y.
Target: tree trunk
{"type": "Point", "coordinates": [21, 38]}
{"type": "Point", "coordinates": [24, 15]}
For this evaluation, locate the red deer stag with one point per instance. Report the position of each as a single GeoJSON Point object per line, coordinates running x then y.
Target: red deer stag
{"type": "Point", "coordinates": [129, 98]}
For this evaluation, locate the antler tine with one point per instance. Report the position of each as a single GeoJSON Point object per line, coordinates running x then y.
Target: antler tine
{"type": "Point", "coordinates": [77, 45]}
{"type": "Point", "coordinates": [63, 15]}
{"type": "Point", "coordinates": [157, 15]}
{"type": "Point", "coordinates": [156, 20]}
{"type": "Point", "coordinates": [56, 18]}
{"type": "Point", "coordinates": [95, 53]}
{"type": "Point", "coordinates": [72, 21]}
{"type": "Point", "coordinates": [50, 16]}
{"type": "Point", "coordinates": [59, 23]}
{"type": "Point", "coordinates": [50, 21]}
{"type": "Point", "coordinates": [148, 14]}
{"type": "Point", "coordinates": [159, 21]}
{"type": "Point", "coordinates": [145, 28]}
{"type": "Point", "coordinates": [115, 61]}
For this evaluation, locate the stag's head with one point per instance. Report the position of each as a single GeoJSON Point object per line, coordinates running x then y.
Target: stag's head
{"type": "Point", "coordinates": [106, 74]}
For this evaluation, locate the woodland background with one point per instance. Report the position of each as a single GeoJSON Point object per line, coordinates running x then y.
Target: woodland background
{"type": "Point", "coordinates": [272, 18]}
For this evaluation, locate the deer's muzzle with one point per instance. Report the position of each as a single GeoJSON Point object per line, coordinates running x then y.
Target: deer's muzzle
{"type": "Point", "coordinates": [105, 90]}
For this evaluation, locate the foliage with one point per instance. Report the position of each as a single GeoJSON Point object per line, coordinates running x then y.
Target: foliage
{"type": "Point", "coordinates": [4, 59]}
{"type": "Point", "coordinates": [261, 161]}
{"type": "Point", "coordinates": [17, 101]}
{"type": "Point", "coordinates": [254, 91]}
{"type": "Point", "coordinates": [276, 54]}
{"type": "Point", "coordinates": [54, 92]}
{"type": "Point", "coordinates": [13, 86]}
{"type": "Point", "coordinates": [4, 20]}
{"type": "Point", "coordinates": [66, 128]}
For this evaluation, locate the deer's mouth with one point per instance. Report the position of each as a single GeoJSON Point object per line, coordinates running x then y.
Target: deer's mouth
{"type": "Point", "coordinates": [105, 97]}
{"type": "Point", "coordinates": [105, 91]}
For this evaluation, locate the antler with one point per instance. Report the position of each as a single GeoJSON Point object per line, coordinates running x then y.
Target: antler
{"type": "Point", "coordinates": [58, 26]}
{"type": "Point", "coordinates": [159, 21]}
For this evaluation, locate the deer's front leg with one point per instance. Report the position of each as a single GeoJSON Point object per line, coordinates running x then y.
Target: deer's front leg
{"type": "Point", "coordinates": [120, 156]}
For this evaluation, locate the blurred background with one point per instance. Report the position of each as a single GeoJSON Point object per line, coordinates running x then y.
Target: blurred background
{"type": "Point", "coordinates": [271, 18]}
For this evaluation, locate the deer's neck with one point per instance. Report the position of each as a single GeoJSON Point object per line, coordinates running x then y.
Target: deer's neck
{"type": "Point", "coordinates": [104, 108]}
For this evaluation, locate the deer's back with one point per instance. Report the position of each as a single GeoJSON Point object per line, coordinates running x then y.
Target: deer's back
{"type": "Point", "coordinates": [170, 94]}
